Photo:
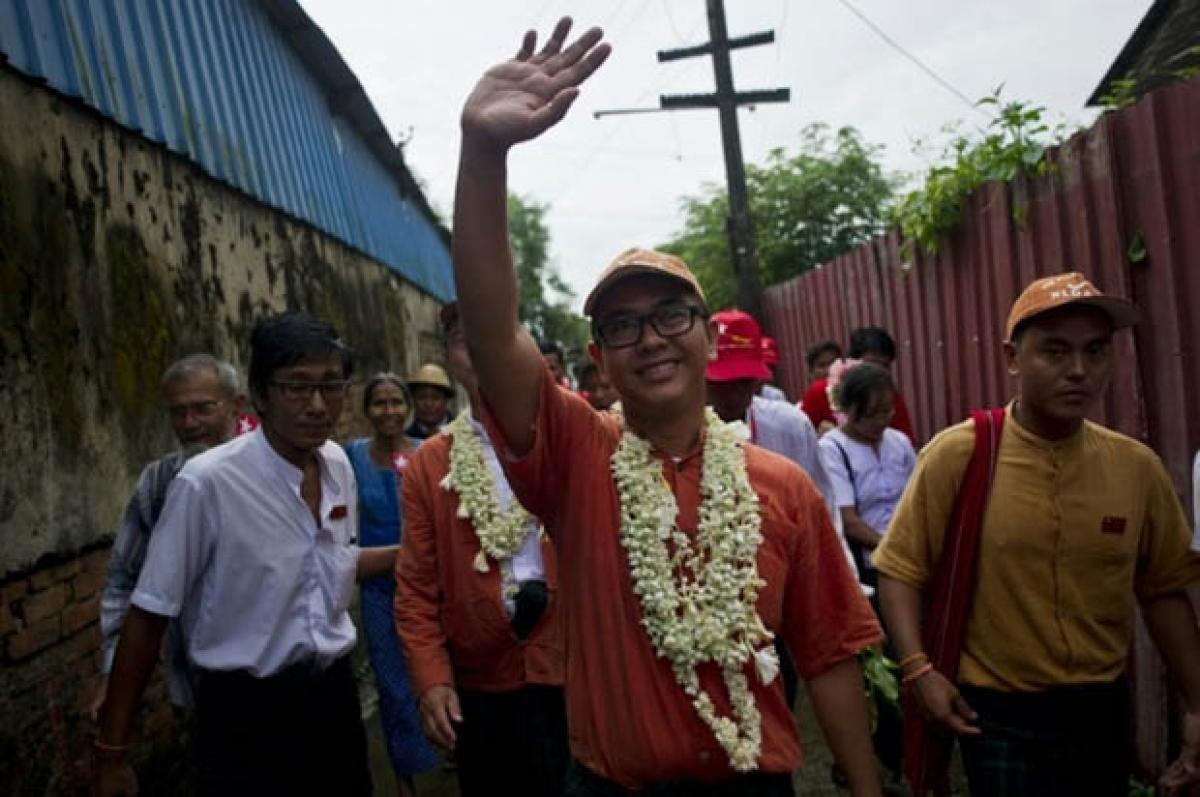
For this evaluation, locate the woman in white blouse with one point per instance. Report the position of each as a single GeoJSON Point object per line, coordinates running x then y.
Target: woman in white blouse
{"type": "Point", "coordinates": [868, 463]}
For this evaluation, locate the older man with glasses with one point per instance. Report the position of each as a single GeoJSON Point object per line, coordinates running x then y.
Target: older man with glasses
{"type": "Point", "coordinates": [254, 555]}
{"type": "Point", "coordinates": [203, 402]}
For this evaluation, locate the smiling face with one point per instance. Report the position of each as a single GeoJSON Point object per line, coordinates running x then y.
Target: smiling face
{"type": "Point", "coordinates": [1063, 361]}
{"type": "Point", "coordinates": [203, 413]}
{"type": "Point", "coordinates": [658, 375]}
{"type": "Point", "coordinates": [388, 409]}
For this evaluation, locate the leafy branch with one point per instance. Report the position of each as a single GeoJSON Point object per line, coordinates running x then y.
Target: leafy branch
{"type": "Point", "coordinates": [1012, 145]}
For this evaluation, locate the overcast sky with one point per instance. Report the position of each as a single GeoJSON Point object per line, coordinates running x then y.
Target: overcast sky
{"type": "Point", "coordinates": [616, 182]}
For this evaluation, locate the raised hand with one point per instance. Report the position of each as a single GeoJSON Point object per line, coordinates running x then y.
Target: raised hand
{"type": "Point", "coordinates": [524, 96]}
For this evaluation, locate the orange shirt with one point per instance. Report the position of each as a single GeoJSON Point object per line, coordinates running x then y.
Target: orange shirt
{"type": "Point", "coordinates": [450, 618]}
{"type": "Point", "coordinates": [629, 719]}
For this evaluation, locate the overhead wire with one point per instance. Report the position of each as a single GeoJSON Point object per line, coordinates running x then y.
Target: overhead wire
{"type": "Point", "coordinates": [928, 70]}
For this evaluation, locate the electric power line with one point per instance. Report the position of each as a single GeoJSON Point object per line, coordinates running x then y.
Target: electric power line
{"type": "Point", "coordinates": [920, 64]}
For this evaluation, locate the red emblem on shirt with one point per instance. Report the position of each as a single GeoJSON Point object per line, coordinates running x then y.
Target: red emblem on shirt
{"type": "Point", "coordinates": [1112, 524]}
{"type": "Point", "coordinates": [338, 512]}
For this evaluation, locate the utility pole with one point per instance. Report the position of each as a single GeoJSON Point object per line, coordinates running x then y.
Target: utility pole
{"type": "Point", "coordinates": [726, 100]}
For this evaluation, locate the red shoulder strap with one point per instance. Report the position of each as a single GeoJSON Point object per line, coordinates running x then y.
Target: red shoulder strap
{"type": "Point", "coordinates": [948, 600]}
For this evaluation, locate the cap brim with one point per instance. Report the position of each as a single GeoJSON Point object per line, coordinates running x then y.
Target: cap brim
{"type": "Point", "coordinates": [625, 272]}
{"type": "Point", "coordinates": [1122, 313]}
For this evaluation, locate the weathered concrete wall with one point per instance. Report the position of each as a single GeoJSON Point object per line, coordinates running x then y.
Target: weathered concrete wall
{"type": "Point", "coordinates": [115, 258]}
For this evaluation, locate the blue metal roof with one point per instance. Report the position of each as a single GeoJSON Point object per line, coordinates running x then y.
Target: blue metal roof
{"type": "Point", "coordinates": [256, 95]}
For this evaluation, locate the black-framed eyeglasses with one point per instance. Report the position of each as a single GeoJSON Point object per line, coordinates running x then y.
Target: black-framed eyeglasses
{"type": "Point", "coordinates": [670, 321]}
{"type": "Point", "coordinates": [303, 391]}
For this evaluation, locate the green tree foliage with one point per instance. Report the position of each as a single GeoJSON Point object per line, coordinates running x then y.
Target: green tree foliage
{"type": "Point", "coordinates": [1012, 145]}
{"type": "Point", "coordinates": [806, 208]}
{"type": "Point", "coordinates": [545, 299]}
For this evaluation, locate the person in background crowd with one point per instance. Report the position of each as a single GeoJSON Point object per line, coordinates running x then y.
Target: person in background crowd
{"type": "Point", "coordinates": [595, 387]}
{"type": "Point", "coordinates": [431, 393]}
{"type": "Point", "coordinates": [868, 466]}
{"type": "Point", "coordinates": [476, 607]}
{"type": "Point", "coordinates": [870, 345]}
{"type": "Point", "coordinates": [819, 357]}
{"type": "Point", "coordinates": [553, 354]}
{"type": "Point", "coordinates": [672, 676]}
{"type": "Point", "coordinates": [770, 352]}
{"type": "Point", "coordinates": [204, 403]}
{"type": "Point", "coordinates": [379, 462]}
{"type": "Point", "coordinates": [868, 463]}
{"type": "Point", "coordinates": [253, 553]}
{"type": "Point", "coordinates": [1081, 522]}
{"type": "Point", "coordinates": [733, 378]}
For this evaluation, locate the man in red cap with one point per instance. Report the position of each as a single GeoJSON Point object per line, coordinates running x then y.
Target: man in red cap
{"type": "Point", "coordinates": [1081, 523]}
{"type": "Point", "coordinates": [683, 551]}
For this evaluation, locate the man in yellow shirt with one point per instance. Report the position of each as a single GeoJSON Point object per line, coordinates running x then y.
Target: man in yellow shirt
{"type": "Point", "coordinates": [1081, 522]}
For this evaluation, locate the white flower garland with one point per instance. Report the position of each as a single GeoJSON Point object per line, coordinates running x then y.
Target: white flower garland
{"type": "Point", "coordinates": [500, 532]}
{"type": "Point", "coordinates": [698, 594]}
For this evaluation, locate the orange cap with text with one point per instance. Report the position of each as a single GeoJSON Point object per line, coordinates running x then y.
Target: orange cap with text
{"type": "Point", "coordinates": [641, 261]}
{"type": "Point", "coordinates": [1072, 288]}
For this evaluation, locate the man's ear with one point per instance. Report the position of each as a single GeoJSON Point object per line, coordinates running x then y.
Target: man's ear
{"type": "Point", "coordinates": [710, 329]}
{"type": "Point", "coordinates": [597, 355]}
{"type": "Point", "coordinates": [1010, 358]}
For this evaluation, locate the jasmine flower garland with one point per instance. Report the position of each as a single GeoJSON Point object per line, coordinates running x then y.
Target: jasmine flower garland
{"type": "Point", "coordinates": [698, 594]}
{"type": "Point", "coordinates": [500, 532]}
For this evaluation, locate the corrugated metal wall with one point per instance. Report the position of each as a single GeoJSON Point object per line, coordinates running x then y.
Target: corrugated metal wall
{"type": "Point", "coordinates": [1135, 176]}
{"type": "Point", "coordinates": [221, 83]}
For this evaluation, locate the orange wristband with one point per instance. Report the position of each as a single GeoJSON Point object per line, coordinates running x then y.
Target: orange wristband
{"type": "Point", "coordinates": [918, 656]}
{"type": "Point", "coordinates": [920, 672]}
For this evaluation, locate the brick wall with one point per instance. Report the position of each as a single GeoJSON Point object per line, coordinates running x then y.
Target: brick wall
{"type": "Point", "coordinates": [50, 648]}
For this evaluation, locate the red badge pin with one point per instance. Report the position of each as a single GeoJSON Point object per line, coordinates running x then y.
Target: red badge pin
{"type": "Point", "coordinates": [338, 512]}
{"type": "Point", "coordinates": [1112, 524]}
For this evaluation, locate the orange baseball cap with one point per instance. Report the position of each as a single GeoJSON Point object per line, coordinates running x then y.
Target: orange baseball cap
{"type": "Point", "coordinates": [641, 261]}
{"type": "Point", "coordinates": [1072, 288]}
{"type": "Point", "coordinates": [739, 348]}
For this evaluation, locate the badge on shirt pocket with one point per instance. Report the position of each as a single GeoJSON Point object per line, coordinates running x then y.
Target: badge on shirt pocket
{"type": "Point", "coordinates": [1112, 524]}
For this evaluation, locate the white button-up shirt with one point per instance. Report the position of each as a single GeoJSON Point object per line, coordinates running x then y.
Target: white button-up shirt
{"type": "Point", "coordinates": [239, 558]}
{"type": "Point", "coordinates": [876, 478]}
{"type": "Point", "coordinates": [526, 563]}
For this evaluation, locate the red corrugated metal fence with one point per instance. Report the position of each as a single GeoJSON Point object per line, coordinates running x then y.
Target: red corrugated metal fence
{"type": "Point", "coordinates": [1132, 180]}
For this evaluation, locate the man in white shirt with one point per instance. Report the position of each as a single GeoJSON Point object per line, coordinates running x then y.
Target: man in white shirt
{"type": "Point", "coordinates": [253, 553]}
{"type": "Point", "coordinates": [203, 400]}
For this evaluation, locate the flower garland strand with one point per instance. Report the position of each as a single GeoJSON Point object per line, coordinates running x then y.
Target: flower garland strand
{"type": "Point", "coordinates": [500, 532]}
{"type": "Point", "coordinates": [698, 594]}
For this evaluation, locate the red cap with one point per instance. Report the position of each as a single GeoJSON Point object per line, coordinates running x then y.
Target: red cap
{"type": "Point", "coordinates": [770, 352]}
{"type": "Point", "coordinates": [739, 348]}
